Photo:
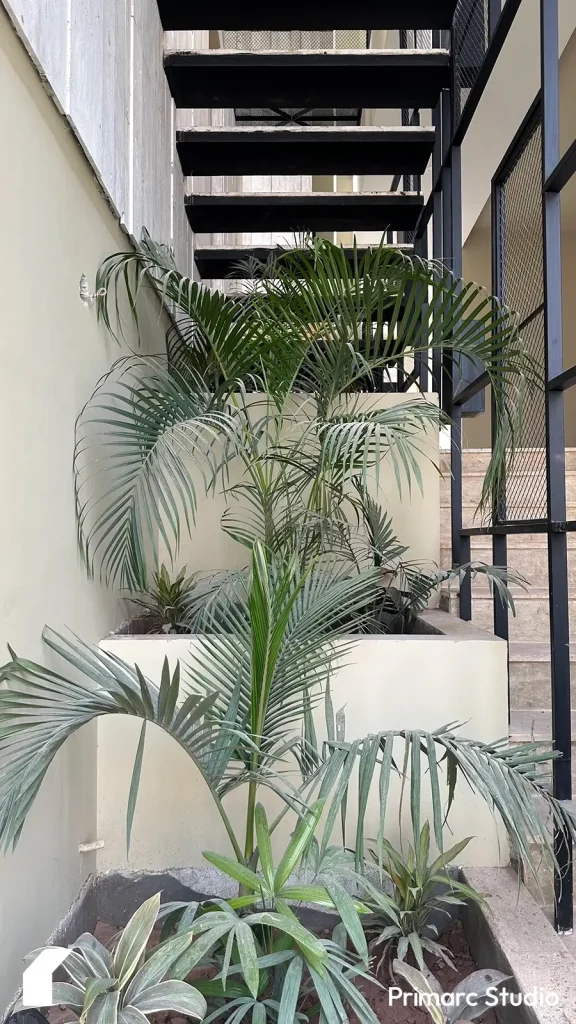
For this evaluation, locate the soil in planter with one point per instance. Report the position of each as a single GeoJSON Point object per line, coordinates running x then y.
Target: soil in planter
{"type": "Point", "coordinates": [453, 937]}
{"type": "Point", "coordinates": [459, 951]}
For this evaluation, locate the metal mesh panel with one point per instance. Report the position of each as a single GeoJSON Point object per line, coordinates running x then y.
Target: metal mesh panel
{"type": "Point", "coordinates": [416, 39]}
{"type": "Point", "coordinates": [470, 36]}
{"type": "Point", "coordinates": [295, 39]}
{"type": "Point", "coordinates": [521, 256]}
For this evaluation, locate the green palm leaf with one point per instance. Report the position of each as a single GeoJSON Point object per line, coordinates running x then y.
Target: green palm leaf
{"type": "Point", "coordinates": [153, 429]}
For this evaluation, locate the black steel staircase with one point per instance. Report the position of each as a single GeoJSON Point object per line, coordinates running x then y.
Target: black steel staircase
{"type": "Point", "coordinates": [299, 115]}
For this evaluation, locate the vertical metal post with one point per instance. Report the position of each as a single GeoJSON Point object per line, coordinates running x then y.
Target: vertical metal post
{"type": "Point", "coordinates": [421, 358]}
{"type": "Point", "coordinates": [499, 542]}
{"type": "Point", "coordinates": [466, 581]}
{"type": "Point", "coordinates": [437, 230]}
{"type": "Point", "coordinates": [500, 557]}
{"type": "Point", "coordinates": [447, 237]}
{"type": "Point", "coordinates": [494, 12]}
{"type": "Point", "coordinates": [456, 183]}
{"type": "Point", "coordinates": [557, 545]}
{"type": "Point", "coordinates": [456, 437]}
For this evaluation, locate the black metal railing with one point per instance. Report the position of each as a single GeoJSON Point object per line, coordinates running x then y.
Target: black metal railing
{"type": "Point", "coordinates": [527, 275]}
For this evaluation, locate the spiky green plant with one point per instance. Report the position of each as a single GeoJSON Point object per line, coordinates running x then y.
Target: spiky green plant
{"type": "Point", "coordinates": [422, 891]}
{"type": "Point", "coordinates": [167, 599]}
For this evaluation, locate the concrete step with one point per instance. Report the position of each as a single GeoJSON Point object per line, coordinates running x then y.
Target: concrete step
{"type": "Point", "coordinates": [531, 561]}
{"type": "Point", "coordinates": [306, 79]}
{"type": "Point", "coordinates": [477, 459]}
{"type": "Point", "coordinates": [303, 211]}
{"type": "Point", "coordinates": [531, 621]}
{"type": "Point", "coordinates": [535, 725]}
{"type": "Point", "coordinates": [471, 518]}
{"type": "Point", "coordinates": [530, 678]}
{"type": "Point", "coordinates": [521, 485]}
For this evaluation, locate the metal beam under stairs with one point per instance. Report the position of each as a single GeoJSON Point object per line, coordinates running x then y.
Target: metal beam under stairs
{"type": "Point", "coordinates": [216, 262]}
{"type": "Point", "coordinates": [303, 211]}
{"type": "Point", "coordinates": [295, 150]}
{"type": "Point", "coordinates": [307, 79]}
{"type": "Point", "coordinates": [182, 15]}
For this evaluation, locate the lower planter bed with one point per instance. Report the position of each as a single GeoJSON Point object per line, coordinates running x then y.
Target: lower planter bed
{"type": "Point", "coordinates": [511, 935]}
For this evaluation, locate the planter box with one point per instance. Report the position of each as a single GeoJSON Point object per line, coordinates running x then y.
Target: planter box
{"type": "Point", "coordinates": [449, 671]}
{"type": "Point", "coordinates": [511, 934]}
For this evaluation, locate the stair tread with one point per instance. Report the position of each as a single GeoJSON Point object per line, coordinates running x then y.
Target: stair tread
{"type": "Point", "coordinates": [225, 261]}
{"type": "Point", "coordinates": [299, 132]}
{"type": "Point", "coordinates": [529, 651]}
{"type": "Point", "coordinates": [303, 211]}
{"type": "Point", "coordinates": [180, 15]}
{"type": "Point", "coordinates": [223, 250]}
{"type": "Point", "coordinates": [431, 55]}
{"type": "Point", "coordinates": [303, 149]}
{"type": "Point", "coordinates": [332, 198]}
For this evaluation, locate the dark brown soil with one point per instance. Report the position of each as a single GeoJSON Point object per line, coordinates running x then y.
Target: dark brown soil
{"type": "Point", "coordinates": [454, 938]}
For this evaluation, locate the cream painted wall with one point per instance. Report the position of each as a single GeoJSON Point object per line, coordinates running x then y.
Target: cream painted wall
{"type": "Point", "coordinates": [416, 682]}
{"type": "Point", "coordinates": [55, 226]}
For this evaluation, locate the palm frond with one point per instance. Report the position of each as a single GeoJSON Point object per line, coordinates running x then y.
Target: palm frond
{"type": "Point", "coordinates": [40, 709]}
{"type": "Point", "coordinates": [514, 782]}
{"type": "Point", "coordinates": [138, 440]}
{"type": "Point", "coordinates": [347, 322]}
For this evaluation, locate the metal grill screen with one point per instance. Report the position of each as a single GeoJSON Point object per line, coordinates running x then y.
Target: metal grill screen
{"type": "Point", "coordinates": [470, 42]}
{"type": "Point", "coordinates": [522, 275]}
{"type": "Point", "coordinates": [328, 39]}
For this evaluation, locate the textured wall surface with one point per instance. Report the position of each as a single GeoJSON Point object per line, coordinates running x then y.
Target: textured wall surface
{"type": "Point", "coordinates": [103, 63]}
{"type": "Point", "coordinates": [56, 225]}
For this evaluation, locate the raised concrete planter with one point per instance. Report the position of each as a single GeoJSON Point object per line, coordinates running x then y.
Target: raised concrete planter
{"type": "Point", "coordinates": [450, 671]}
{"type": "Point", "coordinates": [513, 935]}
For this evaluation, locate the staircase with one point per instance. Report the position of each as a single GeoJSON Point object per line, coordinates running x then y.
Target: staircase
{"type": "Point", "coordinates": [315, 84]}
{"type": "Point", "coordinates": [529, 629]}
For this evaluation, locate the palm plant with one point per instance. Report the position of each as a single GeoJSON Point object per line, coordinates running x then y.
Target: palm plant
{"type": "Point", "coordinates": [275, 382]}
{"type": "Point", "coordinates": [242, 709]}
{"type": "Point", "coordinates": [272, 382]}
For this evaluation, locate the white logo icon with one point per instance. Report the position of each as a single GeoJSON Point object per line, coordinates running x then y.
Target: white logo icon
{"type": "Point", "coordinates": [37, 979]}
